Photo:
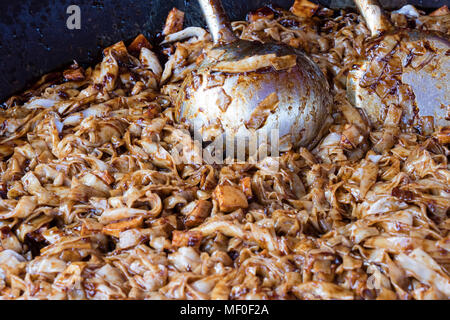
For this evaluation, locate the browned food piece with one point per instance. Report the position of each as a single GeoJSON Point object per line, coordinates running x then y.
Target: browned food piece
{"type": "Point", "coordinates": [261, 13]}
{"type": "Point", "coordinates": [444, 135]}
{"type": "Point", "coordinates": [152, 111]}
{"type": "Point", "coordinates": [369, 177]}
{"type": "Point", "coordinates": [223, 100]}
{"type": "Point", "coordinates": [322, 290]}
{"type": "Point", "coordinates": [196, 215]}
{"type": "Point", "coordinates": [400, 193]}
{"type": "Point", "coordinates": [260, 114]}
{"type": "Point", "coordinates": [304, 8]}
{"type": "Point", "coordinates": [246, 186]}
{"type": "Point", "coordinates": [74, 73]}
{"type": "Point", "coordinates": [351, 137]}
{"type": "Point", "coordinates": [174, 22]}
{"type": "Point", "coordinates": [253, 63]}
{"type": "Point", "coordinates": [308, 156]}
{"type": "Point", "coordinates": [230, 198]}
{"type": "Point", "coordinates": [106, 177]}
{"type": "Point", "coordinates": [115, 228]}
{"type": "Point", "coordinates": [284, 62]}
{"type": "Point", "coordinates": [208, 181]}
{"type": "Point", "coordinates": [118, 51]}
{"type": "Point", "coordinates": [81, 193]}
{"type": "Point", "coordinates": [91, 226]}
{"type": "Point", "coordinates": [186, 238]}
{"type": "Point", "coordinates": [296, 42]}
{"type": "Point", "coordinates": [442, 11]}
{"type": "Point", "coordinates": [138, 43]}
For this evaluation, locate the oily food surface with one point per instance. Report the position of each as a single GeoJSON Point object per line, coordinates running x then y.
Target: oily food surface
{"type": "Point", "coordinates": [94, 206]}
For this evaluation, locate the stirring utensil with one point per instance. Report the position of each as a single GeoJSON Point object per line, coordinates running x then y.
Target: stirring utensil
{"type": "Point", "coordinates": [404, 68]}
{"type": "Point", "coordinates": [242, 88]}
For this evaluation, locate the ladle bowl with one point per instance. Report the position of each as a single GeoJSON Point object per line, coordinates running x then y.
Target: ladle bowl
{"type": "Point", "coordinates": [276, 89]}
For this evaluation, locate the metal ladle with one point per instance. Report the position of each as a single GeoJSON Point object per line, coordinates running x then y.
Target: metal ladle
{"type": "Point", "coordinates": [405, 68]}
{"type": "Point", "coordinates": [291, 94]}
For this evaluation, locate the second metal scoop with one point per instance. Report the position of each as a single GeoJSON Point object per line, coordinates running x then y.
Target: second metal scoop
{"type": "Point", "coordinates": [245, 87]}
{"type": "Point", "coordinates": [404, 68]}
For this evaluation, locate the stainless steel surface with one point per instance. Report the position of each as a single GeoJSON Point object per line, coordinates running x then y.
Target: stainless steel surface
{"type": "Point", "coordinates": [304, 99]}
{"type": "Point", "coordinates": [421, 89]}
{"type": "Point", "coordinates": [217, 21]}
{"type": "Point", "coordinates": [431, 84]}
